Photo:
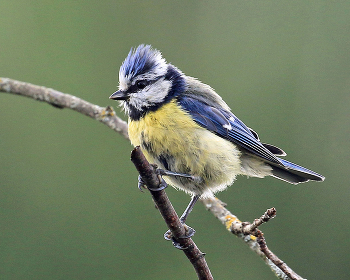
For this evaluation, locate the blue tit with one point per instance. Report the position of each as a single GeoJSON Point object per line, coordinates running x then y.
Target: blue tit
{"type": "Point", "coordinates": [182, 125]}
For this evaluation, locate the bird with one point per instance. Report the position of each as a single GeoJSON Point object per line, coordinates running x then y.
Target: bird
{"type": "Point", "coordinates": [187, 130]}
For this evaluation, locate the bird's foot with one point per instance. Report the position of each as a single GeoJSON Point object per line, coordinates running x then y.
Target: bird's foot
{"type": "Point", "coordinates": [189, 232]}
{"type": "Point", "coordinates": [141, 184]}
{"type": "Point", "coordinates": [162, 185]}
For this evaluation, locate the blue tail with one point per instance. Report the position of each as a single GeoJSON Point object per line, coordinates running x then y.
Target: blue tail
{"type": "Point", "coordinates": [293, 173]}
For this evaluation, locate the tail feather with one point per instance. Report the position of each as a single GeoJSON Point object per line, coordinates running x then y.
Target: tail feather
{"type": "Point", "coordinates": [294, 173]}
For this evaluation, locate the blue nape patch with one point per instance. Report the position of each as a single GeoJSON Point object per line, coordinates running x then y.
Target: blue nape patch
{"type": "Point", "coordinates": [139, 61]}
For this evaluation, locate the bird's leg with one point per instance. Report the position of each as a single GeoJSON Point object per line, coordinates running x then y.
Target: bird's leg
{"type": "Point", "coordinates": [189, 208]}
{"type": "Point", "coordinates": [163, 184]}
{"type": "Point", "coordinates": [141, 184]}
{"type": "Point", "coordinates": [189, 232]}
{"type": "Point", "coordinates": [163, 172]}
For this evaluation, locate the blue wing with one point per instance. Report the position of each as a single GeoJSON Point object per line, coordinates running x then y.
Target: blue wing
{"type": "Point", "coordinates": [226, 125]}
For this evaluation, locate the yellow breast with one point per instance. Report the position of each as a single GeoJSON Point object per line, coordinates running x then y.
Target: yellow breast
{"type": "Point", "coordinates": [170, 132]}
{"type": "Point", "coordinates": [166, 126]}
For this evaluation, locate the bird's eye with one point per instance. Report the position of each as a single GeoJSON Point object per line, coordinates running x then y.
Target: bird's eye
{"type": "Point", "coordinates": [141, 84]}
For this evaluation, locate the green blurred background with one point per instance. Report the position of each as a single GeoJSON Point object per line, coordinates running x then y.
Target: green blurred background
{"type": "Point", "coordinates": [69, 205]}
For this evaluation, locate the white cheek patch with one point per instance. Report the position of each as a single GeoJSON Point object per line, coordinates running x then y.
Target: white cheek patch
{"type": "Point", "coordinates": [150, 95]}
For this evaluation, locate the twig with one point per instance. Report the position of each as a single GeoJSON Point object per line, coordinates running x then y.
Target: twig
{"type": "Point", "coordinates": [276, 260]}
{"type": "Point", "coordinates": [195, 256]}
{"type": "Point", "coordinates": [251, 236]}
{"type": "Point", "coordinates": [107, 116]}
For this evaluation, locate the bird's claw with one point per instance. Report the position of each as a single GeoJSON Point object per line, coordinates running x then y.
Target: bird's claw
{"type": "Point", "coordinates": [162, 185]}
{"type": "Point", "coordinates": [189, 232]}
{"type": "Point", "coordinates": [141, 184]}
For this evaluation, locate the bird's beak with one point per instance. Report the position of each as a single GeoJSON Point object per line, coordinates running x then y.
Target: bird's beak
{"type": "Point", "coordinates": [119, 95]}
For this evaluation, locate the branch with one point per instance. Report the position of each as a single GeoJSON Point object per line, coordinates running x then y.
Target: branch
{"type": "Point", "coordinates": [246, 231]}
{"type": "Point", "coordinates": [61, 100]}
{"type": "Point", "coordinates": [253, 237]}
{"type": "Point", "coordinates": [195, 256]}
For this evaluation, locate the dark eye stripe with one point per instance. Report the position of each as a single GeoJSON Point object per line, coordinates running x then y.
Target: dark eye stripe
{"type": "Point", "coordinates": [141, 84]}
{"type": "Point", "coordinates": [136, 87]}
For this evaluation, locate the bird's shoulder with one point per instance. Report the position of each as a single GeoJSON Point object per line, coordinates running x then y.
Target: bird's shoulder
{"type": "Point", "coordinates": [204, 93]}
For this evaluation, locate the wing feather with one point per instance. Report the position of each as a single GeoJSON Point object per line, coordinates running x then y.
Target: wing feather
{"type": "Point", "coordinates": [226, 125]}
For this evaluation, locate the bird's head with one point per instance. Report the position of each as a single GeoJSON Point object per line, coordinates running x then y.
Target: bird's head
{"type": "Point", "coordinates": [147, 81]}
